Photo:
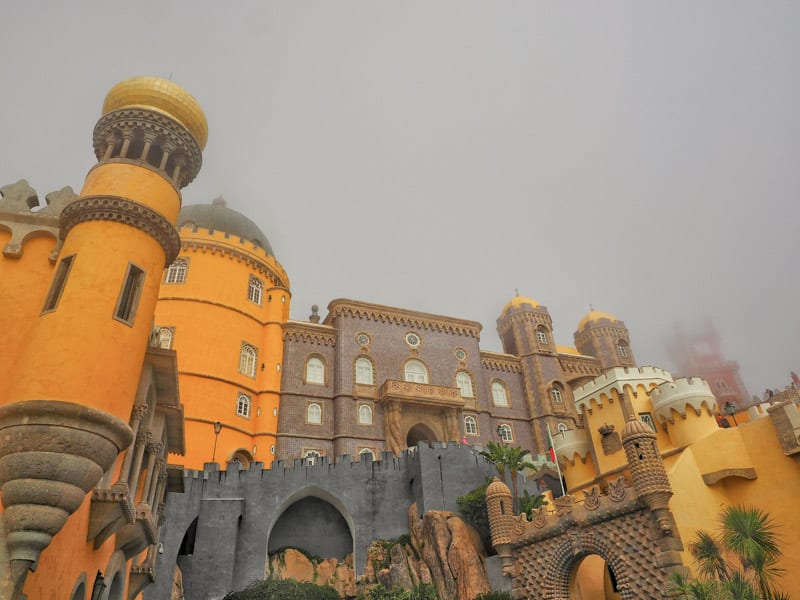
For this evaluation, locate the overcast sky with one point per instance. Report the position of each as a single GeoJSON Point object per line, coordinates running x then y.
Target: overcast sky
{"type": "Point", "coordinates": [642, 157]}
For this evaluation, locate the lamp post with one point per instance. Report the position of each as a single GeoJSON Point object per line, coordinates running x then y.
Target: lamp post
{"type": "Point", "coordinates": [99, 586]}
{"type": "Point", "coordinates": [217, 429]}
{"type": "Point", "coordinates": [729, 408]}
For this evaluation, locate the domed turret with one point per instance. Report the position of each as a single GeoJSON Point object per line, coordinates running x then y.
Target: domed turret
{"type": "Point", "coordinates": [602, 335]}
{"type": "Point", "coordinates": [501, 517]}
{"type": "Point", "coordinates": [218, 217]}
{"type": "Point", "coordinates": [676, 398]}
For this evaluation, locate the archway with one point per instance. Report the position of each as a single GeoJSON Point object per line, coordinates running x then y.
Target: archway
{"type": "Point", "coordinates": [593, 579]}
{"type": "Point", "coordinates": [419, 433]}
{"type": "Point", "coordinates": [313, 525]}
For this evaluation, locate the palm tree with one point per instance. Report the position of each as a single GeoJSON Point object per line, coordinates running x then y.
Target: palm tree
{"type": "Point", "coordinates": [737, 564]}
{"type": "Point", "coordinates": [496, 454]}
{"type": "Point", "coordinates": [515, 462]}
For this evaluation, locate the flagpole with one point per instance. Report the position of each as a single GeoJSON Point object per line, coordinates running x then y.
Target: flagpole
{"type": "Point", "coordinates": [558, 468]}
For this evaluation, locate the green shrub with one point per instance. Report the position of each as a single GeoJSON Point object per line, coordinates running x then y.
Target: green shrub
{"type": "Point", "coordinates": [472, 507]}
{"type": "Point", "coordinates": [286, 589]}
{"type": "Point", "coordinates": [527, 503]}
{"type": "Point", "coordinates": [494, 596]}
{"type": "Point", "coordinates": [423, 591]}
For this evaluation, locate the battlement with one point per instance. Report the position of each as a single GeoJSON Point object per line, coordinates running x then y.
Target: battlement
{"type": "Point", "coordinates": [570, 443]}
{"type": "Point", "coordinates": [678, 394]}
{"type": "Point", "coordinates": [617, 378]}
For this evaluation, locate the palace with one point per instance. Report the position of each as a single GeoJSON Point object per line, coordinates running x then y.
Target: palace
{"type": "Point", "coordinates": [144, 339]}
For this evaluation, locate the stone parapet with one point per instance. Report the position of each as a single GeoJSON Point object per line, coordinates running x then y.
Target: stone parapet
{"type": "Point", "coordinates": [678, 394]}
{"type": "Point", "coordinates": [571, 443]}
{"type": "Point", "coordinates": [420, 393]}
{"type": "Point", "coordinates": [617, 378]}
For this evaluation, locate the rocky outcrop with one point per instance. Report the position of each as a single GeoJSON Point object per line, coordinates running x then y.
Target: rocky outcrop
{"type": "Point", "coordinates": [177, 585]}
{"type": "Point", "coordinates": [293, 564]}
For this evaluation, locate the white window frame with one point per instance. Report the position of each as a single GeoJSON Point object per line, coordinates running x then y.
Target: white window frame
{"type": "Point", "coordinates": [414, 375]}
{"type": "Point", "coordinates": [176, 272]}
{"type": "Point", "coordinates": [562, 429]}
{"type": "Point", "coordinates": [165, 337]}
{"type": "Point", "coordinates": [647, 419]}
{"type": "Point", "coordinates": [315, 370]}
{"type": "Point", "coordinates": [364, 414]}
{"type": "Point", "coordinates": [367, 451]}
{"type": "Point", "coordinates": [541, 335]}
{"type": "Point", "coordinates": [310, 456]}
{"type": "Point", "coordinates": [505, 432]}
{"type": "Point", "coordinates": [365, 373]}
{"type": "Point", "coordinates": [464, 384]}
{"type": "Point", "coordinates": [243, 405]}
{"type": "Point", "coordinates": [255, 290]}
{"type": "Point", "coordinates": [499, 393]}
{"type": "Point", "coordinates": [557, 395]}
{"type": "Point", "coordinates": [622, 348]}
{"type": "Point", "coordinates": [470, 425]}
{"type": "Point", "coordinates": [248, 358]}
{"type": "Point", "coordinates": [316, 417]}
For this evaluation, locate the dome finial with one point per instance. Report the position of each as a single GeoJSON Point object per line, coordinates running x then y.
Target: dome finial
{"type": "Point", "coordinates": [219, 201]}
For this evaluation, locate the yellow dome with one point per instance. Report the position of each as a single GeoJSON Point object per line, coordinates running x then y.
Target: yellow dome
{"type": "Point", "coordinates": [567, 350]}
{"type": "Point", "coordinates": [519, 301]}
{"type": "Point", "coordinates": [163, 96]}
{"type": "Point", "coordinates": [593, 316]}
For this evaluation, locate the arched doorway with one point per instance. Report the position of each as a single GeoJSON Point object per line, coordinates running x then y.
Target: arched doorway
{"type": "Point", "coordinates": [313, 525]}
{"type": "Point", "coordinates": [419, 433]}
{"type": "Point", "coordinates": [593, 579]}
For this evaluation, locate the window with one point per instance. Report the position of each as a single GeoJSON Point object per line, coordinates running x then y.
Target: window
{"type": "Point", "coordinates": [59, 281]}
{"type": "Point", "coordinates": [315, 371]}
{"type": "Point", "coordinates": [365, 414]}
{"type": "Point", "coordinates": [499, 396]}
{"type": "Point", "coordinates": [504, 431]}
{"type": "Point", "coordinates": [622, 348]}
{"type": "Point", "coordinates": [247, 360]}
{"type": "Point", "coordinates": [647, 419]}
{"type": "Point", "coordinates": [557, 396]}
{"type": "Point", "coordinates": [416, 371]}
{"type": "Point", "coordinates": [129, 296]}
{"type": "Point", "coordinates": [165, 337]}
{"type": "Point", "coordinates": [314, 413]}
{"type": "Point", "coordinates": [364, 371]}
{"type": "Point", "coordinates": [243, 405]}
{"type": "Point", "coordinates": [255, 290]}
{"type": "Point", "coordinates": [464, 383]}
{"type": "Point", "coordinates": [367, 451]}
{"type": "Point", "coordinates": [243, 457]}
{"type": "Point", "coordinates": [413, 340]}
{"type": "Point", "coordinates": [311, 456]}
{"type": "Point", "coordinates": [562, 429]}
{"type": "Point", "coordinates": [541, 335]}
{"type": "Point", "coordinates": [470, 426]}
{"type": "Point", "coordinates": [176, 272]}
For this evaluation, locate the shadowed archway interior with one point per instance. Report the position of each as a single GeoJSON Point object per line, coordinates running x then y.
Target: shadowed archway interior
{"type": "Point", "coordinates": [313, 525]}
{"type": "Point", "coordinates": [419, 433]}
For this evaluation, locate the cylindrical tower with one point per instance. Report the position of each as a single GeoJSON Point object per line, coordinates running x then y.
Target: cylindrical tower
{"type": "Point", "coordinates": [229, 373]}
{"type": "Point", "coordinates": [64, 418]}
{"type": "Point", "coordinates": [499, 505]}
{"type": "Point", "coordinates": [606, 338]}
{"type": "Point", "coordinates": [647, 470]}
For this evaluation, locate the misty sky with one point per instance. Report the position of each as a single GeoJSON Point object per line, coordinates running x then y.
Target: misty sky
{"type": "Point", "coordinates": [642, 157]}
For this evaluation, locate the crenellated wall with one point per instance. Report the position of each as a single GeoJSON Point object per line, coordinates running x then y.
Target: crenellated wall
{"type": "Point", "coordinates": [671, 399]}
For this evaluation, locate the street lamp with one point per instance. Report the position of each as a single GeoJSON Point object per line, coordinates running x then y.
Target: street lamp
{"type": "Point", "coordinates": [217, 429]}
{"type": "Point", "coordinates": [99, 586]}
{"type": "Point", "coordinates": [729, 408]}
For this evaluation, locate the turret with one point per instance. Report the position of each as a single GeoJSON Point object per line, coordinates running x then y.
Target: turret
{"type": "Point", "coordinates": [647, 470]}
{"type": "Point", "coordinates": [606, 338]}
{"type": "Point", "coordinates": [501, 519]}
{"type": "Point", "coordinates": [686, 407]}
{"type": "Point", "coordinates": [64, 419]}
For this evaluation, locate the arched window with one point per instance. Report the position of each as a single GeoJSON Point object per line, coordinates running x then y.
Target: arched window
{"type": "Point", "coordinates": [499, 395]}
{"type": "Point", "coordinates": [311, 456]}
{"type": "Point", "coordinates": [562, 429]}
{"type": "Point", "coordinates": [165, 337]}
{"type": "Point", "coordinates": [247, 360]}
{"type": "Point", "coordinates": [243, 405]}
{"type": "Point", "coordinates": [315, 370]}
{"type": "Point", "coordinates": [176, 273]}
{"type": "Point", "coordinates": [541, 335]}
{"type": "Point", "coordinates": [365, 414]}
{"type": "Point", "coordinates": [622, 348]}
{"type": "Point", "coordinates": [255, 290]}
{"type": "Point", "coordinates": [365, 451]}
{"type": "Point", "coordinates": [557, 395]}
{"type": "Point", "coordinates": [470, 426]}
{"type": "Point", "coordinates": [504, 431]}
{"type": "Point", "coordinates": [464, 383]}
{"type": "Point", "coordinates": [314, 413]}
{"type": "Point", "coordinates": [416, 371]}
{"type": "Point", "coordinates": [243, 457]}
{"type": "Point", "coordinates": [364, 371]}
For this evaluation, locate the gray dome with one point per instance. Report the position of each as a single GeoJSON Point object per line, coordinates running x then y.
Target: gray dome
{"type": "Point", "coordinates": [218, 217]}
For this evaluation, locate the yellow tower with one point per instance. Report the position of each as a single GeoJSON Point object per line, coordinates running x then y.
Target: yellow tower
{"type": "Point", "coordinates": [64, 414]}
{"type": "Point", "coordinates": [221, 305]}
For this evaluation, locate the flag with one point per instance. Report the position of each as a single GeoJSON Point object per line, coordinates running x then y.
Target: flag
{"type": "Point", "coordinates": [551, 447]}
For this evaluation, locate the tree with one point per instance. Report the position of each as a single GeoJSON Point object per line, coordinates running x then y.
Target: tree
{"type": "Point", "coordinates": [738, 563]}
{"type": "Point", "coordinates": [472, 507]}
{"type": "Point", "coordinates": [496, 454]}
{"type": "Point", "coordinates": [527, 503]}
{"type": "Point", "coordinates": [507, 458]}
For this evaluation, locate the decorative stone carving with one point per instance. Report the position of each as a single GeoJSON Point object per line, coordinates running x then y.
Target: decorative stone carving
{"type": "Point", "coordinates": [122, 210]}
{"type": "Point", "coordinates": [18, 197]}
{"type": "Point", "coordinates": [52, 454]}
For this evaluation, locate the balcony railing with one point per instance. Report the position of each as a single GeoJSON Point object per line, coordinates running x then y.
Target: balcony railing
{"type": "Point", "coordinates": [421, 393]}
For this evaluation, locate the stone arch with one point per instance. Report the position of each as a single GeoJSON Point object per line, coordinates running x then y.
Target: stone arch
{"type": "Point", "coordinates": [115, 577]}
{"type": "Point", "coordinates": [79, 589]}
{"type": "Point", "coordinates": [310, 516]}
{"type": "Point", "coordinates": [419, 432]}
{"type": "Point", "coordinates": [568, 555]}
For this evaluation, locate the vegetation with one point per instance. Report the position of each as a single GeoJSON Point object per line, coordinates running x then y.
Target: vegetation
{"type": "Point", "coordinates": [472, 507]}
{"type": "Point", "coordinates": [738, 563]}
{"type": "Point", "coordinates": [423, 591]}
{"type": "Point", "coordinates": [507, 458]}
{"type": "Point", "coordinates": [494, 596]}
{"type": "Point", "coordinates": [528, 503]}
{"type": "Point", "coordinates": [286, 589]}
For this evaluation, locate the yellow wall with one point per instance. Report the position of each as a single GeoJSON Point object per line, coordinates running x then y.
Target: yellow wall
{"type": "Point", "coordinates": [212, 317]}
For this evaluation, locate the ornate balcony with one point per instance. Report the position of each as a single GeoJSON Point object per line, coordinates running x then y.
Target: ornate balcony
{"type": "Point", "coordinates": [409, 392]}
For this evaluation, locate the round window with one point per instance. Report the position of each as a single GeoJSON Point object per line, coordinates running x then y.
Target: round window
{"type": "Point", "coordinates": [412, 339]}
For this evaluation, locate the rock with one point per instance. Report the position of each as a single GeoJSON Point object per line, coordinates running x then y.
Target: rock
{"type": "Point", "coordinates": [293, 564]}
{"type": "Point", "coordinates": [177, 585]}
{"type": "Point", "coordinates": [465, 561]}
{"type": "Point", "coordinates": [398, 568]}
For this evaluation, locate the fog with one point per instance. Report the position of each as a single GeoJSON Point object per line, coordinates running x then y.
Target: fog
{"type": "Point", "coordinates": [638, 157]}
